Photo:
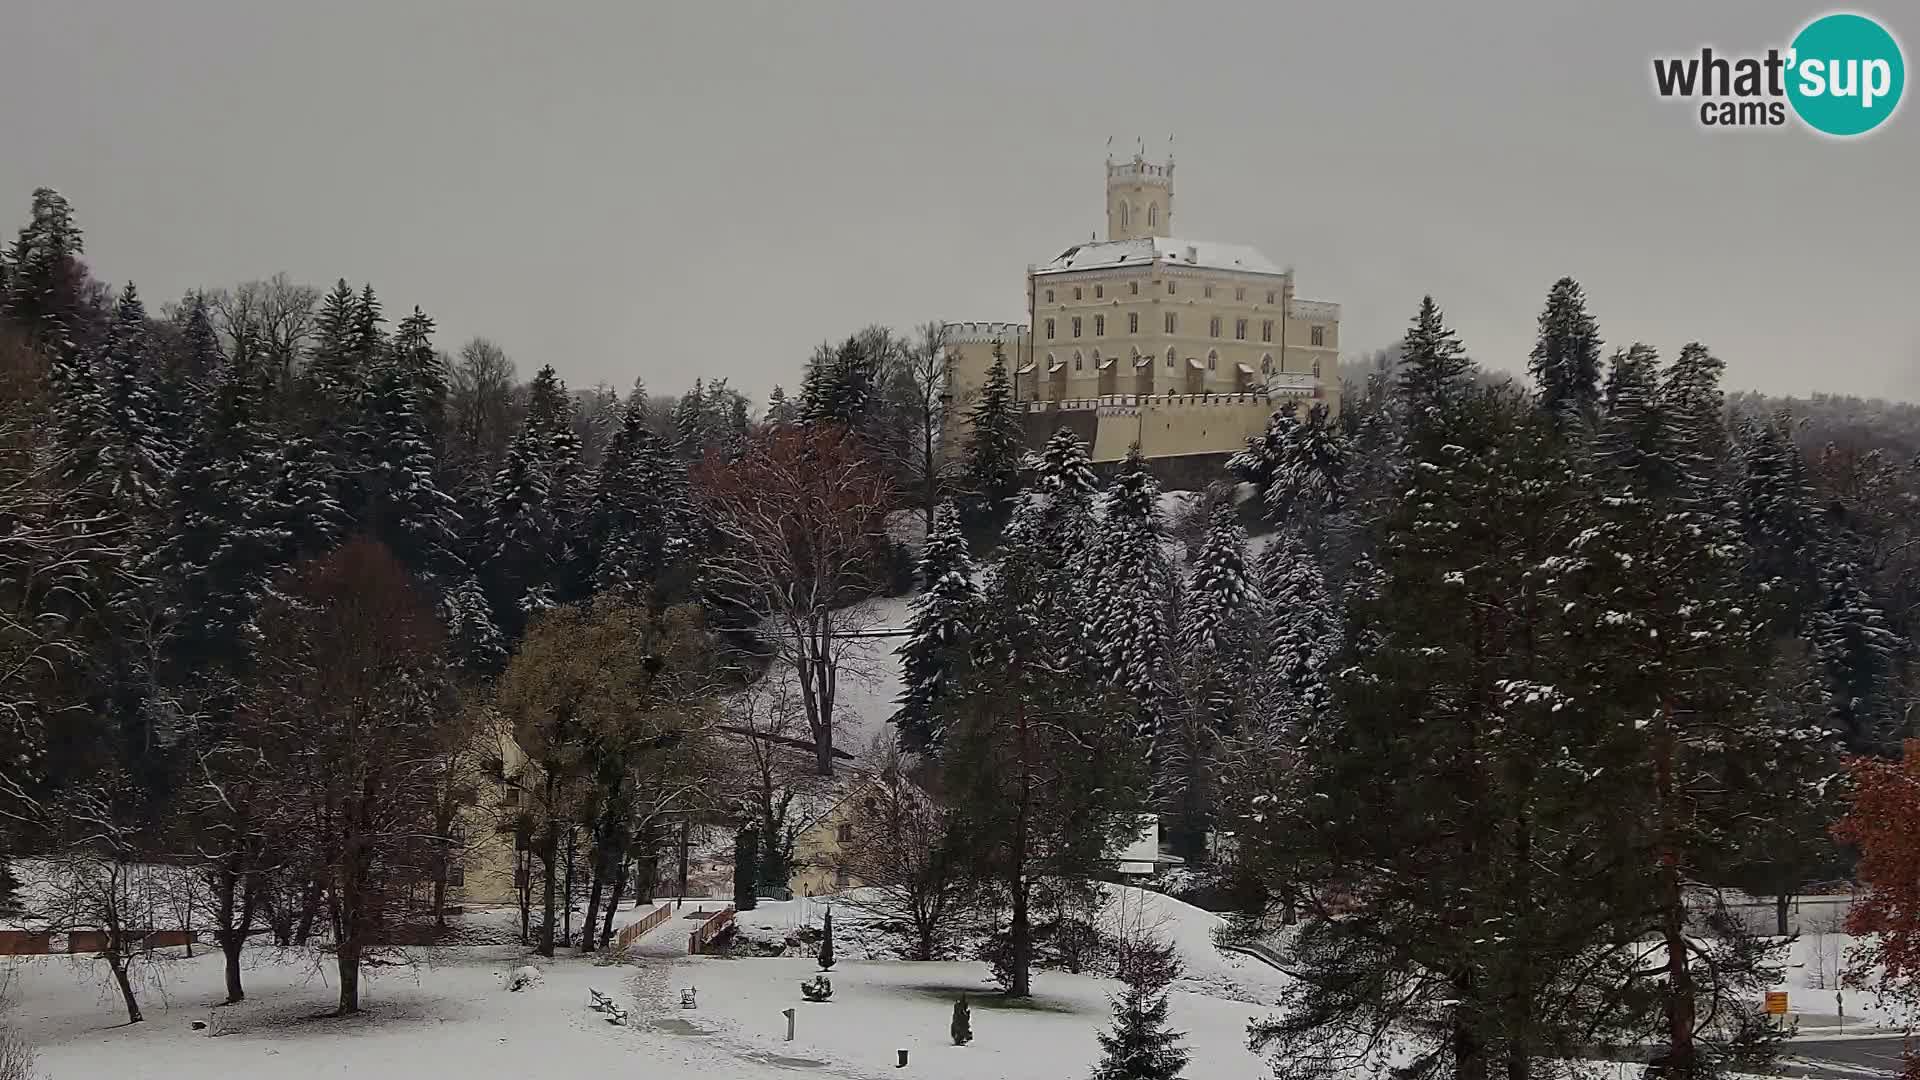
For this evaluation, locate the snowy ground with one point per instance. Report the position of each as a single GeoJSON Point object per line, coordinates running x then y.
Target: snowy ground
{"type": "Point", "coordinates": [451, 1015]}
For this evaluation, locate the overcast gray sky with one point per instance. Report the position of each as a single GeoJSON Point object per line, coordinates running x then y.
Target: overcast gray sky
{"type": "Point", "coordinates": [709, 188]}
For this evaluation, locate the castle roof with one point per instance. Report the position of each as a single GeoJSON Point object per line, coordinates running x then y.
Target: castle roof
{"type": "Point", "coordinates": [1172, 251]}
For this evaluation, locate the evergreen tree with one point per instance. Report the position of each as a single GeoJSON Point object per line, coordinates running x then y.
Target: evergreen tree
{"type": "Point", "coordinates": [1433, 364]}
{"type": "Point", "coordinates": [1131, 592]}
{"type": "Point", "coordinates": [692, 425]}
{"type": "Point", "coordinates": [334, 367]}
{"type": "Point", "coordinates": [937, 639]}
{"type": "Point", "coordinates": [636, 532]}
{"type": "Point", "coordinates": [1777, 520]}
{"type": "Point", "coordinates": [779, 409]}
{"type": "Point", "coordinates": [991, 473]}
{"type": "Point", "coordinates": [191, 367]}
{"type": "Point", "coordinates": [1695, 409]}
{"type": "Point", "coordinates": [137, 452]}
{"type": "Point", "coordinates": [422, 372]}
{"type": "Point", "coordinates": [228, 534]}
{"type": "Point", "coordinates": [406, 509]}
{"type": "Point", "coordinates": [306, 509]}
{"type": "Point", "coordinates": [1565, 362]}
{"type": "Point", "coordinates": [548, 409]}
{"type": "Point", "coordinates": [1219, 617]}
{"type": "Point", "coordinates": [473, 637]}
{"type": "Point", "coordinates": [1856, 651]}
{"type": "Point", "coordinates": [521, 542]}
{"type": "Point", "coordinates": [1303, 622]}
{"type": "Point", "coordinates": [44, 281]}
{"type": "Point", "coordinates": [842, 383]}
{"type": "Point", "coordinates": [1139, 1045]}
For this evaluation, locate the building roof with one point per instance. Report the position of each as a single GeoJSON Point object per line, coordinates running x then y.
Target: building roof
{"type": "Point", "coordinates": [1170, 250]}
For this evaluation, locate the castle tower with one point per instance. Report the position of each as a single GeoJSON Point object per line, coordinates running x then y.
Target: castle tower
{"type": "Point", "coordinates": [1139, 198]}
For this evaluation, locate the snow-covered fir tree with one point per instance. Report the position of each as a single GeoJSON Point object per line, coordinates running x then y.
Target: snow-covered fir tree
{"type": "Point", "coordinates": [1140, 1045]}
{"type": "Point", "coordinates": [636, 526]}
{"type": "Point", "coordinates": [937, 637]}
{"type": "Point", "coordinates": [521, 543]}
{"type": "Point", "coordinates": [228, 533]}
{"type": "Point", "coordinates": [406, 508]}
{"type": "Point", "coordinates": [1565, 362]}
{"type": "Point", "coordinates": [1302, 627]}
{"type": "Point", "coordinates": [1433, 363]}
{"type": "Point", "coordinates": [1855, 651]}
{"type": "Point", "coordinates": [1777, 519]}
{"type": "Point", "coordinates": [137, 451]}
{"type": "Point", "coordinates": [1130, 595]}
{"type": "Point", "coordinates": [43, 275]}
{"type": "Point", "coordinates": [990, 473]}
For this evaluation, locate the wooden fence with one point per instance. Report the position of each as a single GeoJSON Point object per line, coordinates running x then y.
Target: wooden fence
{"type": "Point", "coordinates": [633, 932]}
{"type": "Point", "coordinates": [720, 923]}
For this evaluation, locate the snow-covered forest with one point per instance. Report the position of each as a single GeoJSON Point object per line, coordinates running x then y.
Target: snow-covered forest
{"type": "Point", "coordinates": [1466, 703]}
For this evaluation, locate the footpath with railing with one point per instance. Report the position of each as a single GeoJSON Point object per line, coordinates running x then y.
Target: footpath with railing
{"type": "Point", "coordinates": [633, 932]}
{"type": "Point", "coordinates": [709, 931]}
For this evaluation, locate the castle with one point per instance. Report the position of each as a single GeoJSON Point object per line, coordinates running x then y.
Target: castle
{"type": "Point", "coordinates": [1183, 346]}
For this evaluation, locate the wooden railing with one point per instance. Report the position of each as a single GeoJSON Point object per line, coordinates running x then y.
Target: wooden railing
{"type": "Point", "coordinates": [633, 932]}
{"type": "Point", "coordinates": [712, 928]}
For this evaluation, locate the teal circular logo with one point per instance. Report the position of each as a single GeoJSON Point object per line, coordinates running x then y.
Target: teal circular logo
{"type": "Point", "coordinates": [1845, 74]}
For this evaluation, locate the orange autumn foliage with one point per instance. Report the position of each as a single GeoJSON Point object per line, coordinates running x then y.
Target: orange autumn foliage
{"type": "Point", "coordinates": [1883, 823]}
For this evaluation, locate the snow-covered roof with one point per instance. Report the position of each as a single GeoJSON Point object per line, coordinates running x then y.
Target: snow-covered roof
{"type": "Point", "coordinates": [1172, 251]}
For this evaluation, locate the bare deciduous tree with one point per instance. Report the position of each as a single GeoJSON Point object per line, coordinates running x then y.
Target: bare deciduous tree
{"type": "Point", "coordinates": [355, 653]}
{"type": "Point", "coordinates": [798, 516]}
{"type": "Point", "coordinates": [901, 856]}
{"type": "Point", "coordinates": [271, 319]}
{"type": "Point", "coordinates": [96, 884]}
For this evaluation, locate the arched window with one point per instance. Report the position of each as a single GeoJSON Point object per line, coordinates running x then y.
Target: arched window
{"type": "Point", "coordinates": [1169, 356]}
{"type": "Point", "coordinates": [1266, 364]}
{"type": "Point", "coordinates": [1316, 367]}
{"type": "Point", "coordinates": [1076, 359]}
{"type": "Point", "coordinates": [1123, 215]}
{"type": "Point", "coordinates": [1096, 360]}
{"type": "Point", "coordinates": [1153, 215]}
{"type": "Point", "coordinates": [1213, 359]}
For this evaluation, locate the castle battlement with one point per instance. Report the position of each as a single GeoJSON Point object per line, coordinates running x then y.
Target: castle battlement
{"type": "Point", "coordinates": [984, 332]}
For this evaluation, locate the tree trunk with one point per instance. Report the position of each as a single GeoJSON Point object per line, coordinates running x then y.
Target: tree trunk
{"type": "Point", "coordinates": [549, 855]}
{"type": "Point", "coordinates": [309, 908]}
{"type": "Point", "coordinates": [348, 954]}
{"type": "Point", "coordinates": [117, 963]}
{"type": "Point", "coordinates": [1780, 919]}
{"type": "Point", "coordinates": [1019, 943]}
{"type": "Point", "coordinates": [683, 860]}
{"type": "Point", "coordinates": [566, 898]}
{"type": "Point", "coordinates": [1469, 1057]}
{"type": "Point", "coordinates": [613, 901]}
{"type": "Point", "coordinates": [597, 883]}
{"type": "Point", "coordinates": [1673, 915]}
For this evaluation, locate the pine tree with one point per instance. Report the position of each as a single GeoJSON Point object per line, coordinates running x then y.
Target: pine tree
{"type": "Point", "coordinates": [1219, 617]}
{"type": "Point", "coordinates": [635, 528]}
{"type": "Point", "coordinates": [1855, 650]}
{"type": "Point", "coordinates": [826, 942]}
{"type": "Point", "coordinates": [1565, 362]}
{"type": "Point", "coordinates": [229, 532]}
{"type": "Point", "coordinates": [44, 279]}
{"type": "Point", "coordinates": [1433, 364]}
{"type": "Point", "coordinates": [333, 368]}
{"type": "Point", "coordinates": [937, 639]}
{"type": "Point", "coordinates": [1131, 592]}
{"type": "Point", "coordinates": [692, 425]}
{"type": "Point", "coordinates": [406, 509]}
{"type": "Point", "coordinates": [779, 409]}
{"type": "Point", "coordinates": [1777, 520]}
{"type": "Point", "coordinates": [1303, 623]}
{"type": "Point", "coordinates": [521, 541]}
{"type": "Point", "coordinates": [190, 368]}
{"type": "Point", "coordinates": [991, 473]}
{"type": "Point", "coordinates": [1139, 1045]}
{"type": "Point", "coordinates": [473, 637]}
{"type": "Point", "coordinates": [137, 452]}
{"type": "Point", "coordinates": [1695, 409]}
{"type": "Point", "coordinates": [423, 373]}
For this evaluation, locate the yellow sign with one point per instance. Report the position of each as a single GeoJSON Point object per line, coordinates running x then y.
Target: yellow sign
{"type": "Point", "coordinates": [1777, 1002]}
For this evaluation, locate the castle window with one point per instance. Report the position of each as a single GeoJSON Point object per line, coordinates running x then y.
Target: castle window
{"type": "Point", "coordinates": [1270, 296]}
{"type": "Point", "coordinates": [1239, 293]}
{"type": "Point", "coordinates": [1076, 326]}
{"type": "Point", "coordinates": [1123, 215]}
{"type": "Point", "coordinates": [1153, 215]}
{"type": "Point", "coordinates": [1049, 329]}
{"type": "Point", "coordinates": [1319, 335]}
{"type": "Point", "coordinates": [1170, 322]}
{"type": "Point", "coordinates": [1266, 364]}
{"type": "Point", "coordinates": [1266, 330]}
{"type": "Point", "coordinates": [1076, 360]}
{"type": "Point", "coordinates": [1076, 292]}
{"type": "Point", "coordinates": [1133, 322]}
{"type": "Point", "coordinates": [1207, 292]}
{"type": "Point", "coordinates": [1213, 358]}
{"type": "Point", "coordinates": [1213, 326]}
{"type": "Point", "coordinates": [1133, 288]}
{"type": "Point", "coordinates": [1169, 356]}
{"type": "Point", "coordinates": [1316, 367]}
{"type": "Point", "coordinates": [1049, 296]}
{"type": "Point", "coordinates": [1099, 292]}
{"type": "Point", "coordinates": [1239, 329]}
{"type": "Point", "coordinates": [1099, 326]}
{"type": "Point", "coordinates": [1170, 289]}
